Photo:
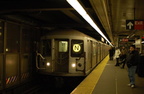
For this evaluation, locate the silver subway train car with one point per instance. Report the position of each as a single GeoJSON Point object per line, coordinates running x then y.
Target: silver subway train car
{"type": "Point", "coordinates": [69, 53]}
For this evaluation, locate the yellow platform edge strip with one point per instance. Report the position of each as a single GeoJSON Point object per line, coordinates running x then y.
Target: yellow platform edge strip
{"type": "Point", "coordinates": [88, 84]}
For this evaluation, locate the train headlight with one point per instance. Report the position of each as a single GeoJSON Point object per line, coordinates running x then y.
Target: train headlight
{"type": "Point", "coordinates": [73, 65]}
{"type": "Point", "coordinates": [48, 63]}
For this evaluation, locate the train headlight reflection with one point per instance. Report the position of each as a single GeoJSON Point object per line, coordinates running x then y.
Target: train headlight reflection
{"type": "Point", "coordinates": [73, 65]}
{"type": "Point", "coordinates": [48, 63]}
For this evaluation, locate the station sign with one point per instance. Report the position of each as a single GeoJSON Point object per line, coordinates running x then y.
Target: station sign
{"type": "Point", "coordinates": [130, 24]}
{"type": "Point", "coordinates": [134, 24]}
{"type": "Point", "coordinates": [139, 25]}
{"type": "Point", "coordinates": [124, 40]}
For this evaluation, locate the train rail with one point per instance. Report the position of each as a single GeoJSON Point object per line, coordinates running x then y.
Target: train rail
{"type": "Point", "coordinates": [53, 85]}
{"type": "Point", "coordinates": [32, 90]}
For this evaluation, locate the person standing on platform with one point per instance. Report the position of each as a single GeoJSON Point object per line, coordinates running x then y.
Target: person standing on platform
{"type": "Point", "coordinates": [123, 56]}
{"type": "Point", "coordinates": [116, 56]}
{"type": "Point", "coordinates": [111, 53]}
{"type": "Point", "coordinates": [132, 61]}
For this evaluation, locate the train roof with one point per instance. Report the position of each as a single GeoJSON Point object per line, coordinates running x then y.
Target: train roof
{"type": "Point", "coordinates": [68, 32]}
{"type": "Point", "coordinates": [72, 32]}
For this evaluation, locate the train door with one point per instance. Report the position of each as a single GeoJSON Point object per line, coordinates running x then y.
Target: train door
{"type": "Point", "coordinates": [44, 55]}
{"type": "Point", "coordinates": [96, 53]}
{"type": "Point", "coordinates": [89, 54]}
{"type": "Point", "coordinates": [77, 52]}
{"type": "Point", "coordinates": [93, 54]}
{"type": "Point", "coordinates": [102, 52]}
{"type": "Point", "coordinates": [61, 55]}
{"type": "Point", "coordinates": [99, 52]}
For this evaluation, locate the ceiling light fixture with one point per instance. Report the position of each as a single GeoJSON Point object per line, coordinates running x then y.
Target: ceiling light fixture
{"type": "Point", "coordinates": [77, 6]}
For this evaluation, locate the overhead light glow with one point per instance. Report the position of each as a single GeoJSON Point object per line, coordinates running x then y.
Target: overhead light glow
{"type": "Point", "coordinates": [77, 6]}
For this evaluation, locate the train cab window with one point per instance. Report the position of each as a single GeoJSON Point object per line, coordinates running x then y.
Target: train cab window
{"type": "Point", "coordinates": [63, 46]}
{"type": "Point", "coordinates": [46, 47]}
{"type": "Point", "coordinates": [77, 48]}
{"type": "Point", "coordinates": [1, 37]}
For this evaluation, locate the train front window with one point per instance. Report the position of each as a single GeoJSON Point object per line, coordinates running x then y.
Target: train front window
{"type": "Point", "coordinates": [46, 47]}
{"type": "Point", "coordinates": [77, 48]}
{"type": "Point", "coordinates": [63, 46]}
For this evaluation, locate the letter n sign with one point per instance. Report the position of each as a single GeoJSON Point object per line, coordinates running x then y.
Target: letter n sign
{"type": "Point", "coordinates": [76, 47]}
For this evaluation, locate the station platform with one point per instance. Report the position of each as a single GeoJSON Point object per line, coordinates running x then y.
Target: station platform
{"type": "Point", "coordinates": [106, 78]}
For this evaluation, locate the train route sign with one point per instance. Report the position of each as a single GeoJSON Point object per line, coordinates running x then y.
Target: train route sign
{"type": "Point", "coordinates": [76, 47]}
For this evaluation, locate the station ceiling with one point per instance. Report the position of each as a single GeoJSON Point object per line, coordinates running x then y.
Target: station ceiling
{"type": "Point", "coordinates": [109, 15]}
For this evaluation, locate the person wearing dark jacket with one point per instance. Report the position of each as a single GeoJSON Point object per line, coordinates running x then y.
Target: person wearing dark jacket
{"type": "Point", "coordinates": [123, 56]}
{"type": "Point", "coordinates": [132, 61]}
{"type": "Point", "coordinates": [111, 53]}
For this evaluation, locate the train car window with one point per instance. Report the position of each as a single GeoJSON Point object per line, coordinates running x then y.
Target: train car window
{"type": "Point", "coordinates": [63, 46]}
{"type": "Point", "coordinates": [77, 48]}
{"type": "Point", "coordinates": [13, 38]}
{"type": "Point", "coordinates": [1, 36]}
{"type": "Point", "coordinates": [46, 47]}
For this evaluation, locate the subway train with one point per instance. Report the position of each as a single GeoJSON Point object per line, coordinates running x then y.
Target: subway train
{"type": "Point", "coordinates": [69, 53]}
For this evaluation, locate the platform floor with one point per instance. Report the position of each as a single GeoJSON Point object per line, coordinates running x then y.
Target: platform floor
{"type": "Point", "coordinates": [109, 79]}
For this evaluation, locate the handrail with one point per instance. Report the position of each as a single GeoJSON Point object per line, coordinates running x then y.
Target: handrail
{"type": "Point", "coordinates": [38, 54]}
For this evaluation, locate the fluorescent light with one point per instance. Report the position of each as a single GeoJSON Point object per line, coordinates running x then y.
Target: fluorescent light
{"type": "Point", "coordinates": [77, 6]}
